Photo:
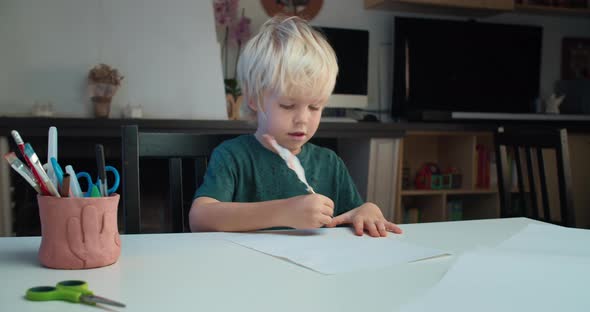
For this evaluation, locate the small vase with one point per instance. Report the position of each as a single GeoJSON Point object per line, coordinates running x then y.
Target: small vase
{"type": "Point", "coordinates": [233, 98]}
{"type": "Point", "coordinates": [102, 106]}
{"type": "Point", "coordinates": [233, 106]}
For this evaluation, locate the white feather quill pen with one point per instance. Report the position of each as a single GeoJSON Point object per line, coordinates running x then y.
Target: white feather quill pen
{"type": "Point", "coordinates": [291, 160]}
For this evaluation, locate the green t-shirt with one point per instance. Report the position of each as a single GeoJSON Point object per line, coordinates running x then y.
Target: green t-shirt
{"type": "Point", "coordinates": [242, 170]}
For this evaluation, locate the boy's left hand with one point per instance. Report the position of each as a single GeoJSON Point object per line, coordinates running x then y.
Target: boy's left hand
{"type": "Point", "coordinates": [366, 217]}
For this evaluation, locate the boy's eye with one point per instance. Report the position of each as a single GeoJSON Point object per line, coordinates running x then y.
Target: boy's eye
{"type": "Point", "coordinates": [314, 108]}
{"type": "Point", "coordinates": [287, 106]}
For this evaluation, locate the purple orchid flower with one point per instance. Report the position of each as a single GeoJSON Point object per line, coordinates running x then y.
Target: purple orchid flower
{"type": "Point", "coordinates": [241, 30]}
{"type": "Point", "coordinates": [225, 11]}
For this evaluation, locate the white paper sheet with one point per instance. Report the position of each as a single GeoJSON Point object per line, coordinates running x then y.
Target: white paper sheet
{"type": "Point", "coordinates": [550, 239]}
{"type": "Point", "coordinates": [338, 250]}
{"type": "Point", "coordinates": [501, 281]}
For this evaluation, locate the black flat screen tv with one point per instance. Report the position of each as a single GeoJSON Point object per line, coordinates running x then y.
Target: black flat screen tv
{"type": "Point", "coordinates": [464, 66]}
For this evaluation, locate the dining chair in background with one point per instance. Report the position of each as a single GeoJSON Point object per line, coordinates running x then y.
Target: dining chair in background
{"type": "Point", "coordinates": [178, 149]}
{"type": "Point", "coordinates": [530, 179]}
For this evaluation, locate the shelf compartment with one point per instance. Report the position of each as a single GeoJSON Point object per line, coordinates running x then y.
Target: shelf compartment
{"type": "Point", "coordinates": [477, 206]}
{"type": "Point", "coordinates": [430, 208]}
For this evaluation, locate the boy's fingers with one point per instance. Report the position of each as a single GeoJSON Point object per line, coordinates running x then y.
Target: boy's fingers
{"type": "Point", "coordinates": [338, 220]}
{"type": "Point", "coordinates": [325, 220]}
{"type": "Point", "coordinates": [327, 210]}
{"type": "Point", "coordinates": [381, 228]}
{"type": "Point", "coordinates": [372, 229]}
{"type": "Point", "coordinates": [358, 226]}
{"type": "Point", "coordinates": [393, 228]}
{"type": "Point", "coordinates": [325, 200]}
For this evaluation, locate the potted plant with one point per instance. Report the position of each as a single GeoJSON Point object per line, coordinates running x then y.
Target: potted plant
{"type": "Point", "coordinates": [234, 31]}
{"type": "Point", "coordinates": [103, 83]}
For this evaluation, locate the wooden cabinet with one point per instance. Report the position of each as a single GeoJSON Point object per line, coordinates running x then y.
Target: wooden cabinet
{"type": "Point", "coordinates": [472, 7]}
{"type": "Point", "coordinates": [372, 164]}
{"type": "Point", "coordinates": [548, 10]}
{"type": "Point", "coordinates": [579, 148]}
{"type": "Point", "coordinates": [463, 200]}
{"type": "Point", "coordinates": [469, 201]}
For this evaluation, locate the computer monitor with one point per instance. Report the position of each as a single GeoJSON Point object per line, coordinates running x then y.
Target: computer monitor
{"type": "Point", "coordinates": [352, 50]}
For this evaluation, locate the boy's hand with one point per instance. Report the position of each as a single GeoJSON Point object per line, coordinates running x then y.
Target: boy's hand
{"type": "Point", "coordinates": [366, 217]}
{"type": "Point", "coordinates": [308, 211]}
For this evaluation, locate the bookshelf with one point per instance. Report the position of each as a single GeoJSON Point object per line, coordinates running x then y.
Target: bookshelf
{"type": "Point", "coordinates": [458, 150]}
{"type": "Point", "coordinates": [474, 8]}
{"type": "Point", "coordinates": [551, 10]}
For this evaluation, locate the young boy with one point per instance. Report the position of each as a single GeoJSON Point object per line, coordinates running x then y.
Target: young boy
{"type": "Point", "coordinates": [287, 72]}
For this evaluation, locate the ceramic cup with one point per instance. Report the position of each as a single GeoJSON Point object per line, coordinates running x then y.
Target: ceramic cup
{"type": "Point", "coordinates": [79, 232]}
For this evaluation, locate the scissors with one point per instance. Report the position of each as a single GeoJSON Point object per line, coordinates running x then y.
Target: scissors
{"type": "Point", "coordinates": [85, 175]}
{"type": "Point", "coordinates": [72, 291]}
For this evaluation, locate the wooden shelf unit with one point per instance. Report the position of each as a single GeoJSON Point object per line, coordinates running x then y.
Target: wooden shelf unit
{"type": "Point", "coordinates": [472, 8]}
{"type": "Point", "coordinates": [442, 7]}
{"type": "Point", "coordinates": [446, 149]}
{"type": "Point", "coordinates": [549, 10]}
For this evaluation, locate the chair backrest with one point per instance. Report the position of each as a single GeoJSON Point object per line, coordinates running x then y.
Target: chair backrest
{"type": "Point", "coordinates": [533, 142]}
{"type": "Point", "coordinates": [175, 147]}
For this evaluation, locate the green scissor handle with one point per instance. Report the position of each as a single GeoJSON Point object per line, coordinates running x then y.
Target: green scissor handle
{"type": "Point", "coordinates": [66, 290]}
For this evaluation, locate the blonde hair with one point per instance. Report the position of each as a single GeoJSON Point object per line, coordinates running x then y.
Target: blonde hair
{"type": "Point", "coordinates": [287, 57]}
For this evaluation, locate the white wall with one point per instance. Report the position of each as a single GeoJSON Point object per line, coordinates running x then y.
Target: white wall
{"type": "Point", "coordinates": [165, 50]}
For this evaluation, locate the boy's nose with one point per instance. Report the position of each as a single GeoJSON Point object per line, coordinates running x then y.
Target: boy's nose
{"type": "Point", "coordinates": [300, 116]}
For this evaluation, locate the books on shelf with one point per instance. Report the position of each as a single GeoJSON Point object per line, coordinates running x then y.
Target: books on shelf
{"type": "Point", "coordinates": [486, 167]}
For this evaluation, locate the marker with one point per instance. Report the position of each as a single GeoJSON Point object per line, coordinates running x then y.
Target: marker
{"type": "Point", "coordinates": [37, 167]}
{"type": "Point", "coordinates": [95, 192]}
{"type": "Point", "coordinates": [24, 172]}
{"type": "Point", "coordinates": [21, 146]}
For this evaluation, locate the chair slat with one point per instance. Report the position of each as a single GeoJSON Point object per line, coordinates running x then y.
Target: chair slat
{"type": "Point", "coordinates": [538, 140]}
{"type": "Point", "coordinates": [543, 183]}
{"type": "Point", "coordinates": [532, 184]}
{"type": "Point", "coordinates": [130, 177]}
{"type": "Point", "coordinates": [176, 199]}
{"type": "Point", "coordinates": [564, 177]}
{"type": "Point", "coordinates": [171, 146]}
{"type": "Point", "coordinates": [521, 190]}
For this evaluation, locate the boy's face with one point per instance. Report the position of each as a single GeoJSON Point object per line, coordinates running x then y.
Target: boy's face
{"type": "Point", "coordinates": [291, 121]}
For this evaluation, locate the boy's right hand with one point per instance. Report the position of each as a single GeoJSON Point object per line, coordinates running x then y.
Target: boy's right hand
{"type": "Point", "coordinates": [308, 211]}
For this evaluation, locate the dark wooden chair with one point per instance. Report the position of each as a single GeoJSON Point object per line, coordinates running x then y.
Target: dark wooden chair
{"type": "Point", "coordinates": [176, 148]}
{"type": "Point", "coordinates": [532, 142]}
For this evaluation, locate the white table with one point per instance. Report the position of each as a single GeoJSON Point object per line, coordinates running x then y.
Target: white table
{"type": "Point", "coordinates": [203, 272]}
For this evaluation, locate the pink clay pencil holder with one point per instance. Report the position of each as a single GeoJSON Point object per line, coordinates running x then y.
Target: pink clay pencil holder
{"type": "Point", "coordinates": [79, 232]}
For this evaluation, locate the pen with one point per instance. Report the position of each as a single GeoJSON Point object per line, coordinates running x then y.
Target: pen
{"type": "Point", "coordinates": [19, 167]}
{"type": "Point", "coordinates": [74, 184]}
{"type": "Point", "coordinates": [291, 160]}
{"type": "Point", "coordinates": [64, 191]}
{"type": "Point", "coordinates": [102, 174]}
{"type": "Point", "coordinates": [44, 179]}
{"type": "Point", "coordinates": [21, 146]}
